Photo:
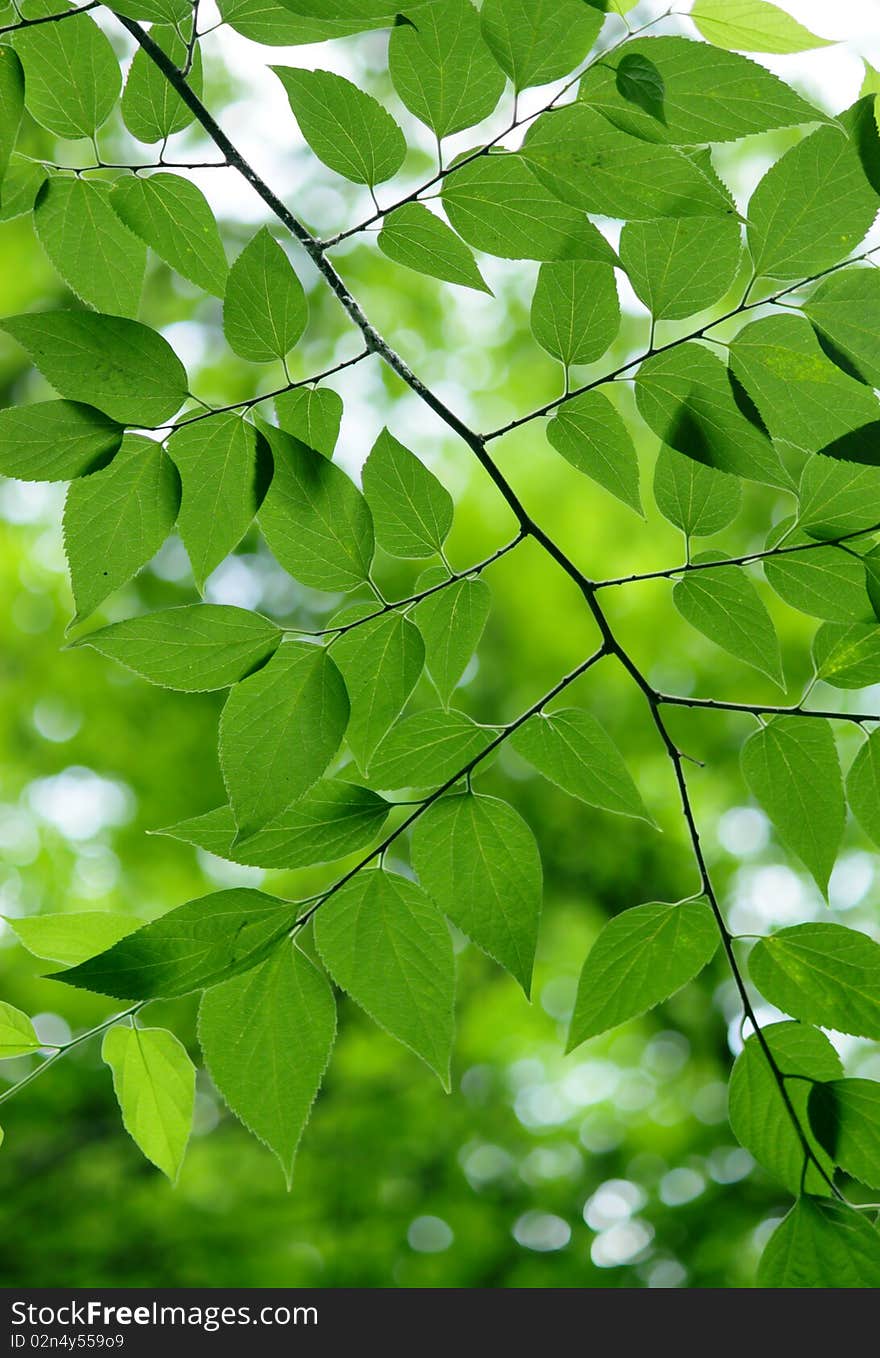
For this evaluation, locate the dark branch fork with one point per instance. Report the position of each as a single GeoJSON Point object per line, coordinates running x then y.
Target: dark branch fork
{"type": "Point", "coordinates": [609, 644]}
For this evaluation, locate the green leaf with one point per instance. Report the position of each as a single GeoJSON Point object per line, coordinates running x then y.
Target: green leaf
{"type": "Point", "coordinates": [217, 461]}
{"type": "Point", "coordinates": [279, 730]}
{"type": "Point", "coordinates": [811, 209]}
{"type": "Point", "coordinates": [151, 107]}
{"type": "Point", "coordinates": [498, 205]}
{"type": "Point", "coordinates": [639, 959]}
{"type": "Point", "coordinates": [845, 1116]}
{"type": "Point", "coordinates": [759, 1118]}
{"type": "Point", "coordinates": [72, 77]}
{"type": "Point", "coordinates": [155, 1084]}
{"type": "Point", "coordinates": [575, 312]}
{"type": "Point", "coordinates": [193, 648]}
{"type": "Point", "coordinates": [386, 943]}
{"type": "Point", "coordinates": [837, 498]}
{"type": "Point", "coordinates": [573, 750]}
{"type": "Point", "coordinates": [681, 265]}
{"type": "Point", "coordinates": [801, 395]}
{"type": "Point", "coordinates": [315, 520]}
{"type": "Point", "coordinates": [441, 68]}
{"type": "Point", "coordinates": [122, 367]}
{"type": "Point", "coordinates": [313, 415]}
{"type": "Point", "coordinates": [698, 500]}
{"type": "Point", "coordinates": [55, 440]}
{"type": "Point", "coordinates": [17, 1036]}
{"type": "Point", "coordinates": [71, 938]}
{"type": "Point", "coordinates": [821, 1244]}
{"type": "Point", "coordinates": [266, 21]}
{"type": "Point", "coordinates": [590, 434]}
{"type": "Point", "coordinates": [685, 396]}
{"type": "Point", "coordinates": [419, 239]}
{"type": "Point", "coordinates": [752, 26]}
{"type": "Point", "coordinates": [863, 787]}
{"type": "Point", "coordinates": [536, 41]}
{"type": "Point", "coordinates": [792, 770]}
{"type": "Point", "coordinates": [476, 857]}
{"type": "Point", "coordinates": [332, 819]}
{"type": "Point", "coordinates": [427, 748]}
{"type": "Point", "coordinates": [592, 165]}
{"type": "Point", "coordinates": [824, 582]}
{"type": "Point", "coordinates": [451, 623]}
{"type": "Point", "coordinates": [411, 510]}
{"type": "Point", "coordinates": [267, 1038]}
{"type": "Point", "coordinates": [845, 311]}
{"type": "Point", "coordinates": [381, 661]}
{"type": "Point", "coordinates": [348, 16]}
{"type": "Point", "coordinates": [264, 309]}
{"type": "Point", "coordinates": [347, 129]}
{"type": "Point", "coordinates": [11, 104]}
{"type": "Point", "coordinates": [19, 187]}
{"type": "Point", "coordinates": [823, 974]}
{"type": "Point", "coordinates": [847, 655]}
{"type": "Point", "coordinates": [724, 605]}
{"type": "Point", "coordinates": [198, 944]}
{"type": "Point", "coordinates": [681, 92]}
{"type": "Point", "coordinates": [99, 258]}
{"type": "Point", "coordinates": [172, 216]}
{"type": "Point", "coordinates": [117, 519]}
{"type": "Point", "coordinates": [155, 11]}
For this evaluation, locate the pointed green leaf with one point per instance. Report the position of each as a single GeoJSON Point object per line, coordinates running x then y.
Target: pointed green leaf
{"type": "Point", "coordinates": [55, 440]}
{"type": "Point", "coordinates": [752, 26]}
{"type": "Point", "coordinates": [151, 108]}
{"type": "Point", "coordinates": [313, 415]}
{"type": "Point", "coordinates": [573, 750]}
{"type": "Point", "coordinates": [264, 309]}
{"type": "Point", "coordinates": [381, 661]}
{"type": "Point", "coordinates": [71, 938]}
{"type": "Point", "coordinates": [386, 944]}
{"type": "Point", "coordinates": [682, 92]}
{"type": "Point", "coordinates": [685, 396]}
{"type": "Point", "coordinates": [332, 819]}
{"type": "Point", "coordinates": [792, 770]}
{"type": "Point", "coordinates": [592, 165]}
{"type": "Point", "coordinates": [11, 104]}
{"type": "Point", "coordinates": [476, 857]}
{"type": "Point", "coordinates": [267, 1038]}
{"type": "Point", "coordinates": [117, 519]}
{"type": "Point", "coordinates": [837, 498]}
{"type": "Point", "coordinates": [575, 312]}
{"type": "Point", "coordinates": [845, 1116]}
{"type": "Point", "coordinates": [824, 582]}
{"type": "Point", "coordinates": [812, 207]}
{"type": "Point", "coordinates": [441, 68]}
{"type": "Point", "coordinates": [156, 11]}
{"type": "Point", "coordinates": [427, 748]}
{"type": "Point", "coordinates": [315, 520]}
{"type": "Point", "coordinates": [347, 129]}
{"type": "Point", "coordinates": [19, 187]}
{"type": "Point", "coordinates": [419, 239]}
{"type": "Point", "coordinates": [847, 655]}
{"type": "Point", "coordinates": [823, 974]}
{"type": "Point", "coordinates": [172, 216]}
{"type": "Point", "coordinates": [217, 462]}
{"type": "Point", "coordinates": [192, 648]}
{"type": "Point", "coordinates": [699, 500]}
{"type": "Point", "coordinates": [195, 945]}
{"type": "Point", "coordinates": [98, 257]}
{"type": "Point", "coordinates": [451, 623]}
{"type": "Point", "coordinates": [724, 605]}
{"type": "Point", "coordinates": [279, 730]}
{"type": "Point", "coordinates": [863, 787]}
{"type": "Point", "coordinates": [681, 265]}
{"type": "Point", "coordinates": [845, 310]}
{"type": "Point", "coordinates": [592, 436]}
{"type": "Point", "coordinates": [821, 1244]}
{"type": "Point", "coordinates": [499, 205]}
{"type": "Point", "coordinates": [122, 367]}
{"type": "Point", "coordinates": [411, 510]}
{"type": "Point", "coordinates": [536, 41]}
{"type": "Point", "coordinates": [639, 959]}
{"type": "Point", "coordinates": [759, 1118]}
{"type": "Point", "coordinates": [17, 1036]}
{"type": "Point", "coordinates": [72, 77]}
{"type": "Point", "coordinates": [155, 1084]}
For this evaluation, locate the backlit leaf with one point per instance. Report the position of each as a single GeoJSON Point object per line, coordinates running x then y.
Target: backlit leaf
{"type": "Point", "coordinates": [155, 1084]}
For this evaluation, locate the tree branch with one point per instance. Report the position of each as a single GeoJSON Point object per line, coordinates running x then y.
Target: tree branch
{"type": "Point", "coordinates": [762, 709]}
{"type": "Point", "coordinates": [50, 18]}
